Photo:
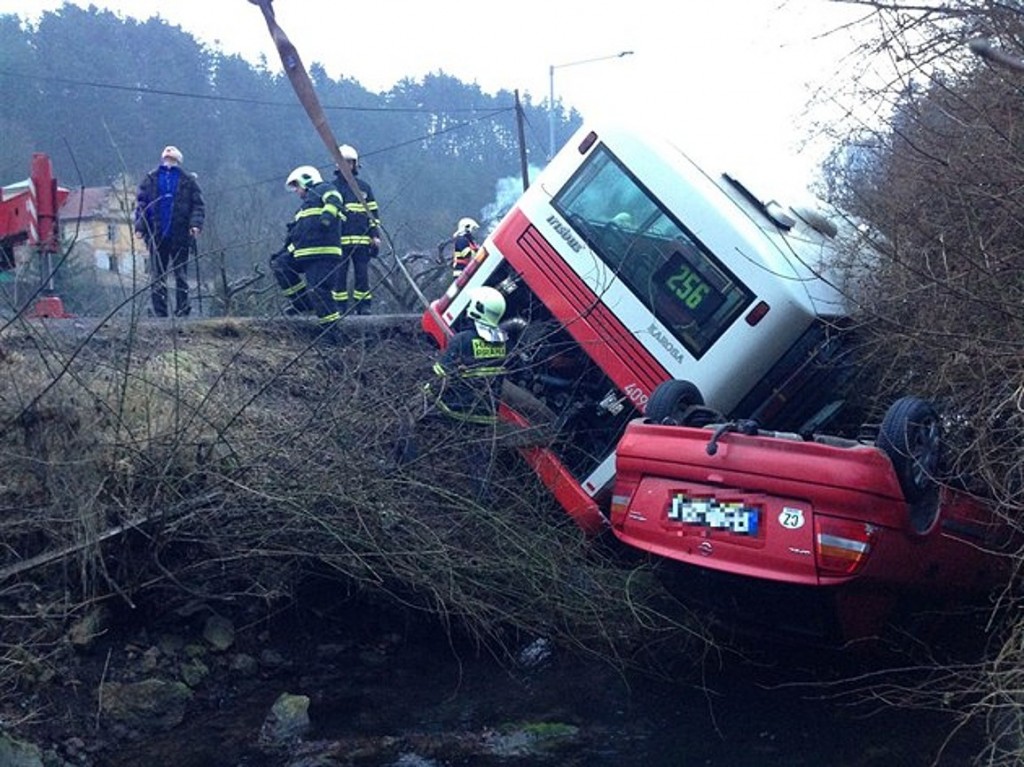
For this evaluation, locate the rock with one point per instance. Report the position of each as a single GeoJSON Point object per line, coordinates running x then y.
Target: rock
{"type": "Point", "coordinates": [535, 654]}
{"type": "Point", "coordinates": [529, 739]}
{"type": "Point", "coordinates": [271, 659]}
{"type": "Point", "coordinates": [193, 672]}
{"type": "Point", "coordinates": [151, 659]}
{"type": "Point", "coordinates": [244, 664]}
{"type": "Point", "coordinates": [414, 760]}
{"type": "Point", "coordinates": [191, 608]}
{"type": "Point", "coordinates": [150, 705]}
{"type": "Point", "coordinates": [170, 644]}
{"type": "Point", "coordinates": [194, 650]}
{"type": "Point", "coordinates": [333, 651]}
{"type": "Point", "coordinates": [84, 631]}
{"type": "Point", "coordinates": [219, 632]}
{"type": "Point", "coordinates": [287, 720]}
{"type": "Point", "coordinates": [14, 753]}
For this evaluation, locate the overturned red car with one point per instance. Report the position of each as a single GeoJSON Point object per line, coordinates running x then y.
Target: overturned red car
{"type": "Point", "coordinates": [810, 534]}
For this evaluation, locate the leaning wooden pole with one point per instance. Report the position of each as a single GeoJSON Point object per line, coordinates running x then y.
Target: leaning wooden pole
{"type": "Point", "coordinates": [303, 85]}
{"type": "Point", "coordinates": [524, 164]}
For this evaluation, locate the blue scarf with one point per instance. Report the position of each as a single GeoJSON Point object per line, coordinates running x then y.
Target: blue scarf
{"type": "Point", "coordinates": [167, 185]}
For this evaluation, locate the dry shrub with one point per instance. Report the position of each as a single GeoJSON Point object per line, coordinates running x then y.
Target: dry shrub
{"type": "Point", "coordinates": [227, 461]}
{"type": "Point", "coordinates": [939, 190]}
{"type": "Point", "coordinates": [941, 294]}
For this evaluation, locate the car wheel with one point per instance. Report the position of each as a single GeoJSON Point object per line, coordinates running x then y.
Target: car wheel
{"type": "Point", "coordinates": [670, 400]}
{"type": "Point", "coordinates": [911, 437]}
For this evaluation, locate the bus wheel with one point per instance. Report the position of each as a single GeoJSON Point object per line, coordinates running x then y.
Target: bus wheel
{"type": "Point", "coordinates": [670, 401]}
{"type": "Point", "coordinates": [911, 437]}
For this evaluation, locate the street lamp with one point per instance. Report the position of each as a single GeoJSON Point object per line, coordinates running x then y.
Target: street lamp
{"type": "Point", "coordinates": [551, 95]}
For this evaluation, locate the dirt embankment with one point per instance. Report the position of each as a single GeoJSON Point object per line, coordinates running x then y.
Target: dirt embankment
{"type": "Point", "coordinates": [216, 466]}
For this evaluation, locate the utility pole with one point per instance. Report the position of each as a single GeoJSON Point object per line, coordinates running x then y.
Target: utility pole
{"type": "Point", "coordinates": [524, 164]}
{"type": "Point", "coordinates": [551, 92]}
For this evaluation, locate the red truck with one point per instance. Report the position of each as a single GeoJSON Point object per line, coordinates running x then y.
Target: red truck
{"type": "Point", "coordinates": [29, 215]}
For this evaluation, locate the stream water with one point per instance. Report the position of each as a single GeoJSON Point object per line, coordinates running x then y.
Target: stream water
{"type": "Point", "coordinates": [733, 714]}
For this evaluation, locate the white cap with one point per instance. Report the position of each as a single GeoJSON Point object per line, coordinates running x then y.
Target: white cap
{"type": "Point", "coordinates": [173, 152]}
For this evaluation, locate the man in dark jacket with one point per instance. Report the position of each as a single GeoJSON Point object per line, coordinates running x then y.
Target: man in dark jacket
{"type": "Point", "coordinates": [360, 236]}
{"type": "Point", "coordinates": [169, 215]}
{"type": "Point", "coordinates": [307, 267]}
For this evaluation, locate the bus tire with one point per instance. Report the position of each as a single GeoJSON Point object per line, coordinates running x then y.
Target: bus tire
{"type": "Point", "coordinates": [910, 435]}
{"type": "Point", "coordinates": [670, 400]}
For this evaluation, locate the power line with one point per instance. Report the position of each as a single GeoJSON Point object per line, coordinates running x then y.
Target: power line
{"type": "Point", "coordinates": [384, 150]}
{"type": "Point", "coordinates": [232, 99]}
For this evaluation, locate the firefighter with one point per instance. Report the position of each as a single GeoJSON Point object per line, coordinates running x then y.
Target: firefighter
{"type": "Point", "coordinates": [360, 236]}
{"type": "Point", "coordinates": [469, 376]}
{"type": "Point", "coordinates": [470, 372]}
{"type": "Point", "coordinates": [308, 265]}
{"type": "Point", "coordinates": [464, 246]}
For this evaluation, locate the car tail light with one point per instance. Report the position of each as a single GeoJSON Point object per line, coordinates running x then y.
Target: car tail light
{"type": "Point", "coordinates": [620, 499]}
{"type": "Point", "coordinates": [842, 546]}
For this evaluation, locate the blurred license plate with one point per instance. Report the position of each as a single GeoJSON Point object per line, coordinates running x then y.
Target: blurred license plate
{"type": "Point", "coordinates": [720, 515]}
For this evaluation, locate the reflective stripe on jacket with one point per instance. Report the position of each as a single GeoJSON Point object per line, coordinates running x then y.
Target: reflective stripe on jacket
{"type": "Point", "coordinates": [362, 222]}
{"type": "Point", "coordinates": [316, 228]}
{"type": "Point", "coordinates": [470, 374]}
{"type": "Point", "coordinates": [464, 248]}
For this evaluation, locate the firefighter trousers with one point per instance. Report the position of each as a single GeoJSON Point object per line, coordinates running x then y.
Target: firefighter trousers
{"type": "Point", "coordinates": [309, 283]}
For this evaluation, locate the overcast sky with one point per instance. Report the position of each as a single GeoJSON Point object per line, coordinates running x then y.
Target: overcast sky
{"type": "Point", "coordinates": [730, 77]}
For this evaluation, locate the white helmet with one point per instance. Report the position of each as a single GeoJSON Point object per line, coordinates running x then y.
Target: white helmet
{"type": "Point", "coordinates": [623, 220]}
{"type": "Point", "coordinates": [466, 225]}
{"type": "Point", "coordinates": [486, 306]}
{"type": "Point", "coordinates": [304, 177]}
{"type": "Point", "coordinates": [348, 152]}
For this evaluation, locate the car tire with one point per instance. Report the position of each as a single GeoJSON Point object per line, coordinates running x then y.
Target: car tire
{"type": "Point", "coordinates": [670, 400]}
{"type": "Point", "coordinates": [911, 437]}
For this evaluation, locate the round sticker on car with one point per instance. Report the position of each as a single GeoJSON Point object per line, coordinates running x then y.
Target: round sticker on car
{"type": "Point", "coordinates": [790, 518]}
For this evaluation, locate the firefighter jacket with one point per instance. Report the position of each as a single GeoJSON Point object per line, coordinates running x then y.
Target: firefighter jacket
{"type": "Point", "coordinates": [463, 249]}
{"type": "Point", "coordinates": [470, 373]}
{"type": "Point", "coordinates": [362, 222]}
{"type": "Point", "coordinates": [316, 229]}
{"type": "Point", "coordinates": [169, 203]}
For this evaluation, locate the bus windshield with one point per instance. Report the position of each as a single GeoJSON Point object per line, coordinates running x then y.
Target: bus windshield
{"type": "Point", "coordinates": [676, 277]}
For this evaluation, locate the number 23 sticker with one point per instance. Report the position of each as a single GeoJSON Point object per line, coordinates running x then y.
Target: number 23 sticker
{"type": "Point", "coordinates": [790, 518]}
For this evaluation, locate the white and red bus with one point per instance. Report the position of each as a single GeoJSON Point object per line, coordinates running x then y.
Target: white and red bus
{"type": "Point", "coordinates": [632, 265]}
